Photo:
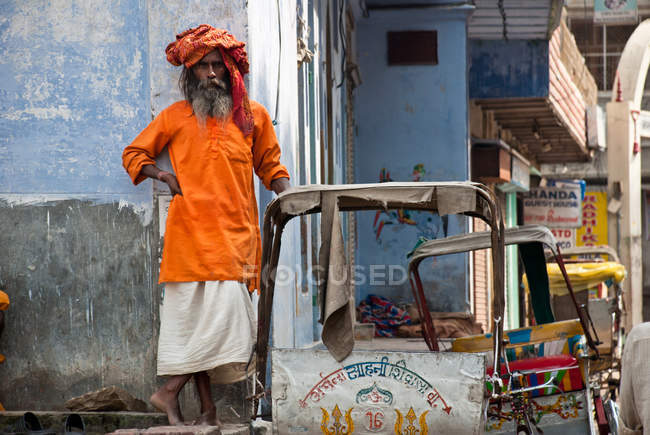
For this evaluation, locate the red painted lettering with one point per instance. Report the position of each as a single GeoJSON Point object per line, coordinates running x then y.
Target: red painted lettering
{"type": "Point", "coordinates": [375, 420]}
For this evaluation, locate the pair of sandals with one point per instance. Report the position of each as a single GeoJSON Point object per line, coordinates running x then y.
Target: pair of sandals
{"type": "Point", "coordinates": [29, 424]}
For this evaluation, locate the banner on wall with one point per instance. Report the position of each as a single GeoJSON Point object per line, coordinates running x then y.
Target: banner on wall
{"type": "Point", "coordinates": [554, 207]}
{"type": "Point", "coordinates": [615, 12]}
{"type": "Point", "coordinates": [593, 231]}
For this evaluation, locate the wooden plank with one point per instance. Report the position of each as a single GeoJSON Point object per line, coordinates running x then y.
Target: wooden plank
{"type": "Point", "coordinates": [575, 133]}
{"type": "Point", "coordinates": [520, 111]}
{"type": "Point", "coordinates": [511, 105]}
{"type": "Point", "coordinates": [510, 22]}
{"type": "Point", "coordinates": [501, 104]}
{"type": "Point", "coordinates": [566, 96]}
{"type": "Point", "coordinates": [475, 119]}
{"type": "Point", "coordinates": [497, 36]}
{"type": "Point", "coordinates": [564, 103]}
{"type": "Point", "coordinates": [533, 12]}
{"type": "Point", "coordinates": [513, 4]}
{"type": "Point", "coordinates": [541, 122]}
{"type": "Point", "coordinates": [581, 143]}
{"type": "Point", "coordinates": [561, 103]}
{"type": "Point", "coordinates": [522, 28]}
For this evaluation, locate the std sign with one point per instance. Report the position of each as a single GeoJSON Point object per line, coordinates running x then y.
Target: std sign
{"type": "Point", "coordinates": [566, 237]}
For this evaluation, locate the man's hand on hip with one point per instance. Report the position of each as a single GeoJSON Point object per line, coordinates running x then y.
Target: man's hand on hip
{"type": "Point", "coordinates": [152, 171]}
{"type": "Point", "coordinates": [171, 181]}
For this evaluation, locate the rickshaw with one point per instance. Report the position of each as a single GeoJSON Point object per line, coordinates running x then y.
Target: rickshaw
{"type": "Point", "coordinates": [339, 387]}
{"type": "Point", "coordinates": [544, 373]}
{"type": "Point", "coordinates": [596, 274]}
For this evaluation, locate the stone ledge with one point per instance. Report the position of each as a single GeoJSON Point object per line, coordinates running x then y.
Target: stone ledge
{"type": "Point", "coordinates": [96, 422]}
{"type": "Point", "coordinates": [227, 429]}
{"type": "Point", "coordinates": [122, 423]}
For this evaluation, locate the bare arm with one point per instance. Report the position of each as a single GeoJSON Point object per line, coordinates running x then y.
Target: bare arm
{"type": "Point", "coordinates": [152, 171]}
{"type": "Point", "coordinates": [279, 185]}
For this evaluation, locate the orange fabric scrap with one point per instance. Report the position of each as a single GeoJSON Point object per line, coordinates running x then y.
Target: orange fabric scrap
{"type": "Point", "coordinates": [4, 301]}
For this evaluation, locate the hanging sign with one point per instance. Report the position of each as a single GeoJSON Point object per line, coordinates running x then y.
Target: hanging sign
{"type": "Point", "coordinates": [643, 124]}
{"type": "Point", "coordinates": [554, 207]}
{"type": "Point", "coordinates": [594, 220]}
{"type": "Point", "coordinates": [611, 12]}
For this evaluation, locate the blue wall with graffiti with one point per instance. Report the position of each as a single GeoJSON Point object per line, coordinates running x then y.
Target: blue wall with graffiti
{"type": "Point", "coordinates": [412, 126]}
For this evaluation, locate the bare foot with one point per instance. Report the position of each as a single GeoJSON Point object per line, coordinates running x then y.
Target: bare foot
{"type": "Point", "coordinates": [168, 403]}
{"type": "Point", "coordinates": [208, 418]}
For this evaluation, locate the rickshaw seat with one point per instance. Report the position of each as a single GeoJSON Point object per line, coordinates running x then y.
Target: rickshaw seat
{"type": "Point", "coordinates": [520, 340]}
{"type": "Point", "coordinates": [538, 371]}
{"type": "Point", "coordinates": [541, 350]}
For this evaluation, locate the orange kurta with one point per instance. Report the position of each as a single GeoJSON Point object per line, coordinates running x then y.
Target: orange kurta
{"type": "Point", "coordinates": [212, 231]}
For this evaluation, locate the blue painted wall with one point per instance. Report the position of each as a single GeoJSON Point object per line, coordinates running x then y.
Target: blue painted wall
{"type": "Point", "coordinates": [409, 116]}
{"type": "Point", "coordinates": [73, 81]}
{"type": "Point", "coordinates": [508, 69]}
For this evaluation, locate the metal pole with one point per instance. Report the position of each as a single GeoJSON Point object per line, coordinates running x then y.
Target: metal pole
{"type": "Point", "coordinates": [512, 268]}
{"type": "Point", "coordinates": [605, 84]}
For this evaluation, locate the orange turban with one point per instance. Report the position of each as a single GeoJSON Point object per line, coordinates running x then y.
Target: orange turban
{"type": "Point", "coordinates": [190, 47]}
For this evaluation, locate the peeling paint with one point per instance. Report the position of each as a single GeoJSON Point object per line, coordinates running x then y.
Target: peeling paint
{"type": "Point", "coordinates": [61, 111]}
{"type": "Point", "coordinates": [76, 21]}
{"type": "Point", "coordinates": [141, 207]}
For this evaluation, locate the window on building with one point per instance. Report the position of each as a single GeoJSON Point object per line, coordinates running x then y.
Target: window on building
{"type": "Point", "coordinates": [602, 47]}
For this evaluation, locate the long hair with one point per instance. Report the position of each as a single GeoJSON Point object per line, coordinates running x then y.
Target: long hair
{"type": "Point", "coordinates": [187, 83]}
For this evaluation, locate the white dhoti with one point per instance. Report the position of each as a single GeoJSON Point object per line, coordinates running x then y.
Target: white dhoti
{"type": "Point", "coordinates": [207, 326]}
{"type": "Point", "coordinates": [634, 398]}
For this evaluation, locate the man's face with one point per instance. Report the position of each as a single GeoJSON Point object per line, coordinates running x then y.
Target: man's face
{"type": "Point", "coordinates": [212, 69]}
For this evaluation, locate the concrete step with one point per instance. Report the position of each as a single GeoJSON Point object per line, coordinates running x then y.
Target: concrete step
{"type": "Point", "coordinates": [227, 429]}
{"type": "Point", "coordinates": [119, 422]}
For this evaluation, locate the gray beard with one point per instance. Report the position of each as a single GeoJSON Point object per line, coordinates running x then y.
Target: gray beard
{"type": "Point", "coordinates": [211, 99]}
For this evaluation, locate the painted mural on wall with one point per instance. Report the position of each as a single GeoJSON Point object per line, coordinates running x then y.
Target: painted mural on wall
{"type": "Point", "coordinates": [428, 225]}
{"type": "Point", "coordinates": [563, 407]}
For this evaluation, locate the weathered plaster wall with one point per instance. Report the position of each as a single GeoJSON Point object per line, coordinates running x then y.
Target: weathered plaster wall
{"type": "Point", "coordinates": [76, 238]}
{"type": "Point", "coordinates": [273, 83]}
{"type": "Point", "coordinates": [70, 70]}
{"type": "Point", "coordinates": [412, 125]}
{"type": "Point", "coordinates": [81, 317]}
{"type": "Point", "coordinates": [493, 74]}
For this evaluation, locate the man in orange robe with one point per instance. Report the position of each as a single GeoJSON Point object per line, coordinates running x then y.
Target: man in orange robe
{"type": "Point", "coordinates": [216, 138]}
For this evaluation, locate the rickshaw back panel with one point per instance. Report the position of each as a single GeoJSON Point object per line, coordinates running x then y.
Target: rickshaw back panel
{"type": "Point", "coordinates": [377, 392]}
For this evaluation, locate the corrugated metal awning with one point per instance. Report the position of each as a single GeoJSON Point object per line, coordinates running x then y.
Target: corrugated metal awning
{"type": "Point", "coordinates": [514, 19]}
